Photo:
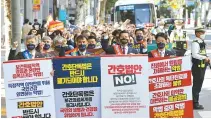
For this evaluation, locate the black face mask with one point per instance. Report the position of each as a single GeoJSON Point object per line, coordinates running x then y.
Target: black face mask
{"type": "Point", "coordinates": [161, 45]}
{"type": "Point", "coordinates": [47, 47]}
{"type": "Point", "coordinates": [124, 41]}
{"type": "Point", "coordinates": [139, 38]}
{"type": "Point", "coordinates": [31, 46]}
{"type": "Point", "coordinates": [91, 46]}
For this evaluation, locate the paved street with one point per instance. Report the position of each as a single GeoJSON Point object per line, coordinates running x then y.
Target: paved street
{"type": "Point", "coordinates": [204, 97]}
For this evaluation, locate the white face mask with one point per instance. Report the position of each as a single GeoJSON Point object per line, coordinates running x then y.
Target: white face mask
{"type": "Point", "coordinates": [202, 36]}
{"type": "Point", "coordinates": [161, 27]}
{"type": "Point", "coordinates": [179, 27]}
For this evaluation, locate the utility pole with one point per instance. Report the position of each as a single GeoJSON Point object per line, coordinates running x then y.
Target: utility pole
{"type": "Point", "coordinates": [16, 26]}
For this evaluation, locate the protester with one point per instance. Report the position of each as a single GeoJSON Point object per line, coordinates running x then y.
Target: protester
{"type": "Point", "coordinates": [80, 50]}
{"type": "Point", "coordinates": [161, 51]}
{"type": "Point", "coordinates": [31, 53]}
{"type": "Point", "coordinates": [121, 49]}
{"type": "Point", "coordinates": [36, 24]}
{"type": "Point", "coordinates": [92, 43]}
{"type": "Point", "coordinates": [115, 39]}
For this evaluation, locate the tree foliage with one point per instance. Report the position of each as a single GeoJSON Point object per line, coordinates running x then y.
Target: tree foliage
{"type": "Point", "coordinates": [109, 5]}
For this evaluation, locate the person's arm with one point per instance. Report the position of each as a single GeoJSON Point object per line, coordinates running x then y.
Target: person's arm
{"type": "Point", "coordinates": [12, 54]}
{"type": "Point", "coordinates": [62, 52]}
{"type": "Point", "coordinates": [195, 51]}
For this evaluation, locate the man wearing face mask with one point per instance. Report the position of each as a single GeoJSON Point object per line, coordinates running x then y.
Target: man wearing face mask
{"type": "Point", "coordinates": [80, 50]}
{"type": "Point", "coordinates": [92, 41]}
{"type": "Point", "coordinates": [200, 62]}
{"type": "Point", "coordinates": [29, 53]}
{"type": "Point", "coordinates": [178, 39]}
{"type": "Point", "coordinates": [140, 42]}
{"type": "Point", "coordinates": [123, 48]}
{"type": "Point", "coordinates": [161, 40]}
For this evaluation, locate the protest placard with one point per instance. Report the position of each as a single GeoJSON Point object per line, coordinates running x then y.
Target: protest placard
{"type": "Point", "coordinates": [170, 88]}
{"type": "Point", "coordinates": [124, 90]}
{"type": "Point", "coordinates": [29, 89]}
{"type": "Point", "coordinates": [77, 87]}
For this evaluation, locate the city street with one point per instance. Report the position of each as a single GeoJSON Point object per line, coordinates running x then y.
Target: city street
{"type": "Point", "coordinates": [204, 97]}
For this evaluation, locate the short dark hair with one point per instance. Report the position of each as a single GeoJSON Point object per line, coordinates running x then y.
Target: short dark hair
{"type": "Point", "coordinates": [35, 20]}
{"type": "Point", "coordinates": [80, 37]}
{"type": "Point", "coordinates": [115, 32]}
{"type": "Point", "coordinates": [124, 31]}
{"type": "Point", "coordinates": [164, 35]}
{"type": "Point", "coordinates": [92, 33]}
{"type": "Point", "coordinates": [92, 37]}
{"type": "Point", "coordinates": [26, 21]}
{"type": "Point", "coordinates": [103, 33]}
{"type": "Point", "coordinates": [139, 30]}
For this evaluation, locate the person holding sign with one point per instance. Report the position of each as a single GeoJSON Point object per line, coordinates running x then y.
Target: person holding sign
{"type": "Point", "coordinates": [80, 50]}
{"type": "Point", "coordinates": [161, 40]}
{"type": "Point", "coordinates": [200, 62]}
{"type": "Point", "coordinates": [123, 48]}
{"type": "Point", "coordinates": [30, 53]}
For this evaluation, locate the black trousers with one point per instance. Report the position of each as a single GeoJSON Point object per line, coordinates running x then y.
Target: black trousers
{"type": "Point", "coordinates": [198, 79]}
{"type": "Point", "coordinates": [180, 52]}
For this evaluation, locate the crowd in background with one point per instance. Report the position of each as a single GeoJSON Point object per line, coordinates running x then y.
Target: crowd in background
{"type": "Point", "coordinates": [87, 40]}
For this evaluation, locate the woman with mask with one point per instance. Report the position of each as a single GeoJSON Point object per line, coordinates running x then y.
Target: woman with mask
{"type": "Point", "coordinates": [30, 52]}
{"type": "Point", "coordinates": [60, 45]}
{"type": "Point", "coordinates": [161, 40]}
{"type": "Point", "coordinates": [47, 47]}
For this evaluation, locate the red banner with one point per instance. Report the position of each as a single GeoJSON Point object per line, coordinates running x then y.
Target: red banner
{"type": "Point", "coordinates": [173, 110]}
{"type": "Point", "coordinates": [172, 80]}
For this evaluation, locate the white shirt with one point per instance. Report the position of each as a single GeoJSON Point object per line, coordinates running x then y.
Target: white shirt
{"type": "Point", "coordinates": [195, 49]}
{"type": "Point", "coordinates": [145, 50]}
{"type": "Point", "coordinates": [33, 54]}
{"type": "Point", "coordinates": [82, 53]}
{"type": "Point", "coordinates": [162, 53]}
{"type": "Point", "coordinates": [125, 48]}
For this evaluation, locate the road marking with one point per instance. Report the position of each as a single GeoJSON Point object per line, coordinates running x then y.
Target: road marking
{"type": "Point", "coordinates": [205, 114]}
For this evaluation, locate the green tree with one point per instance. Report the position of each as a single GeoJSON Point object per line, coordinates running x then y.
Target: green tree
{"type": "Point", "coordinates": [109, 5]}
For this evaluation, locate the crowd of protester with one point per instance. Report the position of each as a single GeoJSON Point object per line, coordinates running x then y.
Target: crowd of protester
{"type": "Point", "coordinates": [119, 39]}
